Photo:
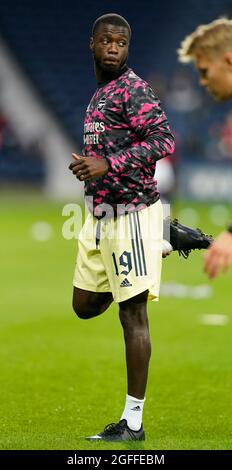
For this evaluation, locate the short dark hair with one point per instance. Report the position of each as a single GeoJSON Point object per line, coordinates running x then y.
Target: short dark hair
{"type": "Point", "coordinates": [111, 18]}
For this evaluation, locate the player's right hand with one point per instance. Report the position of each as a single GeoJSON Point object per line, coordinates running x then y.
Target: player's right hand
{"type": "Point", "coordinates": [85, 168]}
{"type": "Point", "coordinates": [76, 156]}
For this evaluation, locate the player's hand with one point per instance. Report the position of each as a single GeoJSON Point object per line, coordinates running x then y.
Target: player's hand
{"type": "Point", "coordinates": [85, 168]}
{"type": "Point", "coordinates": [219, 255]}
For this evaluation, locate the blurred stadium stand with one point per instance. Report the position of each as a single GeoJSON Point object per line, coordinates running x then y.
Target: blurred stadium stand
{"type": "Point", "coordinates": [50, 41]}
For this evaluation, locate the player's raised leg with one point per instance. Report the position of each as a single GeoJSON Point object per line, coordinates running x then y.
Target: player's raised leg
{"type": "Point", "coordinates": [88, 304]}
{"type": "Point", "coordinates": [179, 237]}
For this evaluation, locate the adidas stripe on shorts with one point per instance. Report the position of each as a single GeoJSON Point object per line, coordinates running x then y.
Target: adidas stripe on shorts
{"type": "Point", "coordinates": [122, 255]}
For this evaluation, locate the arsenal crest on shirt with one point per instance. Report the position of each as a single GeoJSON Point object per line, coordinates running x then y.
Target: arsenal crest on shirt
{"type": "Point", "coordinates": [101, 104]}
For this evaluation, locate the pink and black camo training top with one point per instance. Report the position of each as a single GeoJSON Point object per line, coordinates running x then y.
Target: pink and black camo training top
{"type": "Point", "coordinates": [125, 124]}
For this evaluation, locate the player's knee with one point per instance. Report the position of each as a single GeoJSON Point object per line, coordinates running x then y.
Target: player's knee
{"type": "Point", "coordinates": [84, 312]}
{"type": "Point", "coordinates": [134, 320]}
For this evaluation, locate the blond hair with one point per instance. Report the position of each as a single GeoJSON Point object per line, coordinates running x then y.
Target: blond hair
{"type": "Point", "coordinates": [210, 39]}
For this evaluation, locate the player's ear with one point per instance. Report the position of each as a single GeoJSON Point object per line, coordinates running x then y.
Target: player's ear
{"type": "Point", "coordinates": [91, 43]}
{"type": "Point", "coordinates": [228, 57]}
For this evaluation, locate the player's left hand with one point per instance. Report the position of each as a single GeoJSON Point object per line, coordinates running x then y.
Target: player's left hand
{"type": "Point", "coordinates": [219, 255]}
{"type": "Point", "coordinates": [85, 168]}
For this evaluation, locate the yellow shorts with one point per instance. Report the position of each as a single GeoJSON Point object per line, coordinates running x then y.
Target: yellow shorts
{"type": "Point", "coordinates": [121, 255]}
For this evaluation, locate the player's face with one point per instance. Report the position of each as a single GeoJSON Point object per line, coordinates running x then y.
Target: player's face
{"type": "Point", "coordinates": [216, 76]}
{"type": "Point", "coordinates": [110, 46]}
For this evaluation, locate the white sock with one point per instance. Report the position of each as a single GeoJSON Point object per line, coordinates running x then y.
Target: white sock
{"type": "Point", "coordinates": [166, 247]}
{"type": "Point", "coordinates": [133, 412]}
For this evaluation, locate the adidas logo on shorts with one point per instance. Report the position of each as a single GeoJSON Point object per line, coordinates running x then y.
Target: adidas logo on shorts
{"type": "Point", "coordinates": [125, 283]}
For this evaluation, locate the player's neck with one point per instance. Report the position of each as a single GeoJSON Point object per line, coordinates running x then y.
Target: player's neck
{"type": "Point", "coordinates": [104, 76]}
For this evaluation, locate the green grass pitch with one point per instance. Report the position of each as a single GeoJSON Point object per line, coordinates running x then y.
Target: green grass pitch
{"type": "Point", "coordinates": [63, 378]}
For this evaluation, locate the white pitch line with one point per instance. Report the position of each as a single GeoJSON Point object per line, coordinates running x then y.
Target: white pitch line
{"type": "Point", "coordinates": [214, 319]}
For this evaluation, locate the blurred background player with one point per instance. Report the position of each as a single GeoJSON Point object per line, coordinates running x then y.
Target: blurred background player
{"type": "Point", "coordinates": [209, 47]}
{"type": "Point", "coordinates": [126, 132]}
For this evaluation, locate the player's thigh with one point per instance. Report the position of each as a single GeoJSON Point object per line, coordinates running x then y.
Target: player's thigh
{"type": "Point", "coordinates": [140, 299]}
